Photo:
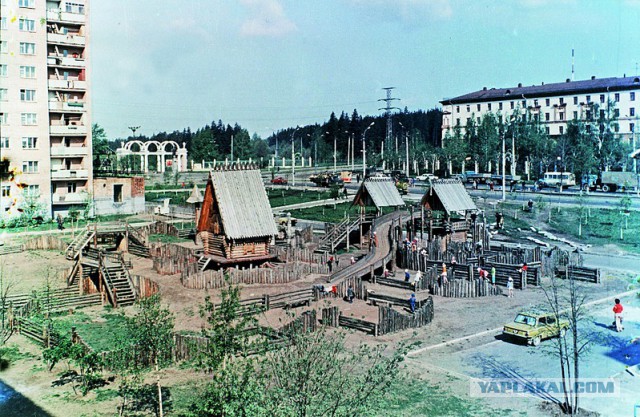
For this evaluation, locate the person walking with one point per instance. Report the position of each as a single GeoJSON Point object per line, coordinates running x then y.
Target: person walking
{"type": "Point", "coordinates": [523, 271]}
{"type": "Point", "coordinates": [493, 276]}
{"type": "Point", "coordinates": [330, 263]}
{"type": "Point", "coordinates": [510, 287]}
{"type": "Point", "coordinates": [444, 273]}
{"type": "Point", "coordinates": [350, 294]}
{"type": "Point", "coordinates": [353, 260]}
{"type": "Point", "coordinates": [407, 275]}
{"type": "Point", "coordinates": [617, 315]}
{"type": "Point", "coordinates": [412, 303]}
{"type": "Point", "coordinates": [416, 280]}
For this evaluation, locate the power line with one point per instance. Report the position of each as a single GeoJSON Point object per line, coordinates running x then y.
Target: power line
{"type": "Point", "coordinates": [387, 109]}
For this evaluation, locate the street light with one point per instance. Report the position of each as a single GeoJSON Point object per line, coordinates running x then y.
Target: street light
{"type": "Point", "coordinates": [364, 151]}
{"type": "Point", "coordinates": [293, 157]}
{"type": "Point", "coordinates": [504, 165]}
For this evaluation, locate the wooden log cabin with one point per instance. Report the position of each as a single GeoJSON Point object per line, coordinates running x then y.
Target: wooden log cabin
{"type": "Point", "coordinates": [236, 223]}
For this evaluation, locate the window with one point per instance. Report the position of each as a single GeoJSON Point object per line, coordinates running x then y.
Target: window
{"type": "Point", "coordinates": [458, 121]}
{"type": "Point", "coordinates": [29, 142]}
{"type": "Point", "coordinates": [27, 48]}
{"type": "Point", "coordinates": [4, 47]}
{"type": "Point", "coordinates": [561, 114]}
{"type": "Point", "coordinates": [468, 120]}
{"type": "Point", "coordinates": [29, 119]}
{"type": "Point", "coordinates": [4, 119]}
{"type": "Point", "coordinates": [546, 129]}
{"type": "Point", "coordinates": [632, 111]}
{"type": "Point", "coordinates": [616, 112]}
{"type": "Point", "coordinates": [536, 117]}
{"type": "Point", "coordinates": [478, 106]}
{"type": "Point", "coordinates": [30, 167]}
{"type": "Point", "coordinates": [547, 102]}
{"type": "Point", "coordinates": [561, 101]}
{"type": "Point", "coordinates": [6, 191]}
{"type": "Point", "coordinates": [71, 187]}
{"type": "Point", "coordinates": [512, 105]}
{"type": "Point", "coordinates": [616, 127]}
{"type": "Point", "coordinates": [602, 114]}
{"type": "Point", "coordinates": [33, 190]}
{"type": "Point", "coordinates": [26, 25]}
{"type": "Point", "coordinates": [4, 142]}
{"type": "Point", "coordinates": [27, 71]}
{"type": "Point", "coordinates": [524, 103]}
{"type": "Point", "coordinates": [575, 100]}
{"type": "Point", "coordinates": [632, 96]}
{"type": "Point", "coordinates": [575, 115]}
{"type": "Point", "coordinates": [74, 8]}
{"type": "Point", "coordinates": [632, 127]}
{"type": "Point", "coordinates": [616, 97]}
{"type": "Point", "coordinates": [547, 117]}
{"type": "Point", "coordinates": [3, 94]}
{"type": "Point", "coordinates": [27, 3]}
{"type": "Point", "coordinates": [27, 95]}
{"type": "Point", "coordinates": [588, 99]}
{"type": "Point", "coordinates": [489, 106]}
{"type": "Point", "coordinates": [561, 130]}
{"type": "Point", "coordinates": [601, 98]}
{"type": "Point", "coordinates": [3, 70]}
{"type": "Point", "coordinates": [588, 114]}
{"type": "Point", "coordinates": [117, 193]}
{"type": "Point", "coordinates": [500, 106]}
{"type": "Point", "coordinates": [477, 120]}
{"type": "Point", "coordinates": [457, 109]}
{"type": "Point", "coordinates": [3, 23]}
{"type": "Point", "coordinates": [468, 108]}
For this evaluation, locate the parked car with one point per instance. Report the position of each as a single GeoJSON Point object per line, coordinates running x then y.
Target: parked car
{"type": "Point", "coordinates": [426, 177]}
{"type": "Point", "coordinates": [533, 327]}
{"type": "Point", "coordinates": [279, 180]}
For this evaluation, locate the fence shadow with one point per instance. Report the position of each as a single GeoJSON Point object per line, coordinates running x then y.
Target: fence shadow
{"type": "Point", "coordinates": [14, 404]}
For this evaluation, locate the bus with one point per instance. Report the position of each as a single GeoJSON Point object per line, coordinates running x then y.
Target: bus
{"type": "Point", "coordinates": [557, 179]}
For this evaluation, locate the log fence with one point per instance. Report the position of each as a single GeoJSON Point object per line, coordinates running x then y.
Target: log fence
{"type": "Point", "coordinates": [578, 273]}
{"type": "Point", "coordinates": [392, 321]}
{"type": "Point", "coordinates": [460, 288]}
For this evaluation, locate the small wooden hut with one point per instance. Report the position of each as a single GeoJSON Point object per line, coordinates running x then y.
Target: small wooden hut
{"type": "Point", "coordinates": [449, 209]}
{"type": "Point", "coordinates": [236, 222]}
{"type": "Point", "coordinates": [378, 193]}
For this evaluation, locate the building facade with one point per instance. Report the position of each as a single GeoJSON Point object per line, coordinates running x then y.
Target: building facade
{"type": "Point", "coordinates": [45, 114]}
{"type": "Point", "coordinates": [553, 105]}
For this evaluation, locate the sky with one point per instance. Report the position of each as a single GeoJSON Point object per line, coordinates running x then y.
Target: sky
{"type": "Point", "coordinates": [271, 64]}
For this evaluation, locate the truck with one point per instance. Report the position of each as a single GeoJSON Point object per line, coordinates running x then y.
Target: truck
{"type": "Point", "coordinates": [609, 181]}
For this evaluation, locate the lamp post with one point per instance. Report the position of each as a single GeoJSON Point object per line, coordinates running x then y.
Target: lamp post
{"type": "Point", "coordinates": [293, 157]}
{"type": "Point", "coordinates": [504, 164]}
{"type": "Point", "coordinates": [364, 151]}
{"type": "Point", "coordinates": [561, 171]}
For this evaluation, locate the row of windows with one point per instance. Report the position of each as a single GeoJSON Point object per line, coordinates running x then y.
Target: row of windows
{"type": "Point", "coordinates": [25, 95]}
{"type": "Point", "coordinates": [28, 142]}
{"type": "Point", "coordinates": [31, 189]}
{"type": "Point", "coordinates": [536, 103]}
{"type": "Point", "coordinates": [26, 71]}
{"type": "Point", "coordinates": [26, 48]}
{"type": "Point", "coordinates": [616, 126]}
{"type": "Point", "coordinates": [24, 24]}
{"type": "Point", "coordinates": [26, 119]}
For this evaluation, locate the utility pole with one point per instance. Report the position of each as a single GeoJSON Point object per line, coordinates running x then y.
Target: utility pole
{"type": "Point", "coordinates": [134, 129]}
{"type": "Point", "coordinates": [231, 149]}
{"type": "Point", "coordinates": [364, 151]}
{"type": "Point", "coordinates": [293, 157]}
{"type": "Point", "coordinates": [387, 112]}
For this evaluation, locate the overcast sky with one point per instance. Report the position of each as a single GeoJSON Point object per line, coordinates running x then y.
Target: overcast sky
{"type": "Point", "coordinates": [270, 64]}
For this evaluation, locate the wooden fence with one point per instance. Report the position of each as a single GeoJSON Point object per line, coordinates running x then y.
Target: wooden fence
{"type": "Point", "coordinates": [460, 288]}
{"type": "Point", "coordinates": [145, 287]}
{"type": "Point", "coordinates": [45, 242]}
{"type": "Point", "coordinates": [169, 259]}
{"type": "Point", "coordinates": [280, 274]}
{"type": "Point", "coordinates": [579, 273]}
{"type": "Point", "coordinates": [504, 271]}
{"type": "Point", "coordinates": [392, 321]}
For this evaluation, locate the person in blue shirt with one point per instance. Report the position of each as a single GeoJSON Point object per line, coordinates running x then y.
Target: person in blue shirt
{"type": "Point", "coordinates": [407, 275]}
{"type": "Point", "coordinates": [412, 303]}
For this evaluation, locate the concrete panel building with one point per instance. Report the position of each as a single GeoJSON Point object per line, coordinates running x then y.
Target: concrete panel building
{"type": "Point", "coordinates": [553, 105]}
{"type": "Point", "coordinates": [45, 116]}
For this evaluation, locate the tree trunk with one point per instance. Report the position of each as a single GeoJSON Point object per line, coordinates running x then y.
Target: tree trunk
{"type": "Point", "coordinates": [160, 411]}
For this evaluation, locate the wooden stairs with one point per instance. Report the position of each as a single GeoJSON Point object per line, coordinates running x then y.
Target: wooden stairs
{"type": "Point", "coordinates": [338, 234]}
{"type": "Point", "coordinates": [75, 248]}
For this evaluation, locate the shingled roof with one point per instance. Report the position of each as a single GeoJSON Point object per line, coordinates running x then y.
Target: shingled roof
{"type": "Point", "coordinates": [594, 85]}
{"type": "Point", "coordinates": [242, 200]}
{"type": "Point", "coordinates": [450, 194]}
{"type": "Point", "coordinates": [382, 192]}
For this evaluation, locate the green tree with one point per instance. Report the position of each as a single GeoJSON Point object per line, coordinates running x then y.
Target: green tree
{"type": "Point", "coordinates": [485, 143]}
{"type": "Point", "coordinates": [454, 147]}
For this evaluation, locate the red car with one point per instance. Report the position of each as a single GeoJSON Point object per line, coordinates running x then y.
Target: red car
{"type": "Point", "coordinates": [279, 180]}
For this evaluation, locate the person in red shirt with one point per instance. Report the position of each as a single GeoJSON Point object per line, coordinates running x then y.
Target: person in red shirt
{"type": "Point", "coordinates": [617, 314]}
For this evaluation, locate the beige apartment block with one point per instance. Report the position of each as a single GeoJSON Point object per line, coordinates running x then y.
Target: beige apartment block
{"type": "Point", "coordinates": [45, 114]}
{"type": "Point", "coordinates": [553, 105]}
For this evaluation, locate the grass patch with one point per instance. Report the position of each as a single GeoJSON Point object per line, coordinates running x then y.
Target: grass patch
{"type": "Point", "coordinates": [98, 333]}
{"type": "Point", "coordinates": [167, 239]}
{"type": "Point", "coordinates": [284, 196]}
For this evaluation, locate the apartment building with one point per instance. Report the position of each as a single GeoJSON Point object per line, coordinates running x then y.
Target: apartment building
{"type": "Point", "coordinates": [554, 104]}
{"type": "Point", "coordinates": [45, 114]}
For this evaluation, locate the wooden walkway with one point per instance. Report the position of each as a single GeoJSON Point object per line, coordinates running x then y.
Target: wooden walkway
{"type": "Point", "coordinates": [379, 256]}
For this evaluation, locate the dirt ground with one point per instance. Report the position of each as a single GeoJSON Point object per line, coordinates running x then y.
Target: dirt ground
{"type": "Point", "coordinates": [454, 318]}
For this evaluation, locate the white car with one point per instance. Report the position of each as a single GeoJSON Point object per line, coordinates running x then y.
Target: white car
{"type": "Point", "coordinates": [426, 177]}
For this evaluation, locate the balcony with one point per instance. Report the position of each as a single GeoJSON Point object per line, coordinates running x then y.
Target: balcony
{"type": "Point", "coordinates": [69, 151]}
{"type": "Point", "coordinates": [67, 106]}
{"type": "Point", "coordinates": [67, 85]}
{"type": "Point", "coordinates": [66, 174]}
{"type": "Point", "coordinates": [66, 61]}
{"type": "Point", "coordinates": [70, 198]}
{"type": "Point", "coordinates": [68, 39]}
{"type": "Point", "coordinates": [58, 15]}
{"type": "Point", "coordinates": [68, 130]}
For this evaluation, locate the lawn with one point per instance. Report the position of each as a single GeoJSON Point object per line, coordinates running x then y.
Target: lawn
{"type": "Point", "coordinates": [284, 196]}
{"type": "Point", "coordinates": [98, 332]}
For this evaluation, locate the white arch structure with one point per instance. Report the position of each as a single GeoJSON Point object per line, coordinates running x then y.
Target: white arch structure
{"type": "Point", "coordinates": [160, 150]}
